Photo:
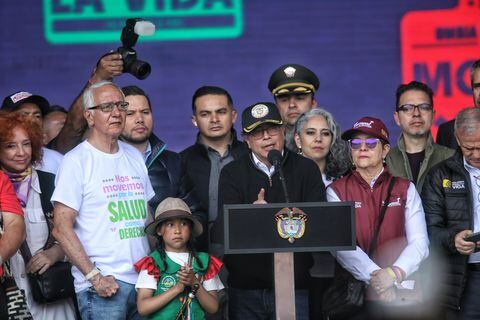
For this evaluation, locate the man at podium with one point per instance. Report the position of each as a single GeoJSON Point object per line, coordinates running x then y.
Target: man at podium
{"type": "Point", "coordinates": [253, 179]}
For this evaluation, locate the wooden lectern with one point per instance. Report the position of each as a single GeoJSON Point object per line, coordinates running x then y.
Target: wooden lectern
{"type": "Point", "coordinates": [253, 228]}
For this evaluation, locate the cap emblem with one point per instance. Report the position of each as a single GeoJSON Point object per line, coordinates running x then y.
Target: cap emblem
{"type": "Point", "coordinates": [290, 72]}
{"type": "Point", "coordinates": [20, 96]}
{"type": "Point", "coordinates": [259, 111]}
{"type": "Point", "coordinates": [363, 124]}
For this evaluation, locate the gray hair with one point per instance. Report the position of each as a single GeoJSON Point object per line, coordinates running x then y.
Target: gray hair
{"type": "Point", "coordinates": [338, 158]}
{"type": "Point", "coordinates": [467, 120]}
{"type": "Point", "coordinates": [88, 101]}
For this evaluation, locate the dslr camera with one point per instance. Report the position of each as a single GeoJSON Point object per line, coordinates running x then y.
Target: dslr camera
{"type": "Point", "coordinates": [133, 28]}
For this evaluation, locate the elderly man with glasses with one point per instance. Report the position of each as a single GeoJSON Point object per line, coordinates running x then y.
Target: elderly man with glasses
{"type": "Point", "coordinates": [451, 201]}
{"type": "Point", "coordinates": [101, 206]}
{"type": "Point", "coordinates": [253, 179]}
{"type": "Point", "coordinates": [415, 152]}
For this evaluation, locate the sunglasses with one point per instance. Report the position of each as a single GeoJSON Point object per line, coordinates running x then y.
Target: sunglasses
{"type": "Point", "coordinates": [370, 143]}
{"type": "Point", "coordinates": [422, 107]}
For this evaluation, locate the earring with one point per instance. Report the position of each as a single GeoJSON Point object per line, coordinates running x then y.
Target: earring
{"type": "Point", "coordinates": [300, 151]}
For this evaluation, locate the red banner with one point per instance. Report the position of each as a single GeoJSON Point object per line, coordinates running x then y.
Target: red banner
{"type": "Point", "coordinates": [438, 48]}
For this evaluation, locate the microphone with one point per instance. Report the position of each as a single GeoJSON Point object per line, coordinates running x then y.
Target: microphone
{"type": "Point", "coordinates": [275, 158]}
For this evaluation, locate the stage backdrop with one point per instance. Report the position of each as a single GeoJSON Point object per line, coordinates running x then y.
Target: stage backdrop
{"type": "Point", "coordinates": [361, 51]}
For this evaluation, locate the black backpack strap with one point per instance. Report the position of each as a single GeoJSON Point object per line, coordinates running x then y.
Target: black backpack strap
{"type": "Point", "coordinates": [47, 186]}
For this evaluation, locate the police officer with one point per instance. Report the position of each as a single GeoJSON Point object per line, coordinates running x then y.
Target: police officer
{"type": "Point", "coordinates": [293, 86]}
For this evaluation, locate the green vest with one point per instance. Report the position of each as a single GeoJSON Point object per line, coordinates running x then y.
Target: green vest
{"type": "Point", "coordinates": [168, 279]}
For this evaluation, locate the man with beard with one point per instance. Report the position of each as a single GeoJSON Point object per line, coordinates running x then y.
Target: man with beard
{"type": "Point", "coordinates": [415, 152]}
{"type": "Point", "coordinates": [164, 166]}
{"type": "Point", "coordinates": [293, 86]}
{"type": "Point", "coordinates": [445, 135]}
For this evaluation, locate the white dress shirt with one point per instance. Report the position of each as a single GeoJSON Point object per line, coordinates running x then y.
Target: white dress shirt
{"type": "Point", "coordinates": [474, 174]}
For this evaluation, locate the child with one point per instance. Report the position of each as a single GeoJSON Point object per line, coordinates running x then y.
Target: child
{"type": "Point", "coordinates": [175, 282]}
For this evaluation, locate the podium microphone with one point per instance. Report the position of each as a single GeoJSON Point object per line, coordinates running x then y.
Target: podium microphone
{"type": "Point", "coordinates": [275, 158]}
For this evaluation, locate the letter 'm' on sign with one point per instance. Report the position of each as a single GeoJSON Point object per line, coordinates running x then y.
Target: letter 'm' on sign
{"type": "Point", "coordinates": [438, 48]}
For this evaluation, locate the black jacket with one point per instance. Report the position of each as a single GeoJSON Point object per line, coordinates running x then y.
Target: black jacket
{"type": "Point", "coordinates": [446, 135]}
{"type": "Point", "coordinates": [240, 182]}
{"type": "Point", "coordinates": [447, 201]}
{"type": "Point", "coordinates": [196, 165]}
{"type": "Point", "coordinates": [167, 178]}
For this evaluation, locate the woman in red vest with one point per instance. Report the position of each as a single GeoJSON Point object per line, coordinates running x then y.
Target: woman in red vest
{"type": "Point", "coordinates": [386, 263]}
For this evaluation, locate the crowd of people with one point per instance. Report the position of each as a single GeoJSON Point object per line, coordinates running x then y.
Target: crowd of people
{"type": "Point", "coordinates": [143, 226]}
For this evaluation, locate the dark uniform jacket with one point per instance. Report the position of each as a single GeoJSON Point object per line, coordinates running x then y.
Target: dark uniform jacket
{"type": "Point", "coordinates": [240, 183]}
{"type": "Point", "coordinates": [165, 173]}
{"type": "Point", "coordinates": [447, 201]}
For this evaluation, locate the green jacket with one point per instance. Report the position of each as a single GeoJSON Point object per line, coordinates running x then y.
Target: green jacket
{"type": "Point", "coordinates": [398, 165]}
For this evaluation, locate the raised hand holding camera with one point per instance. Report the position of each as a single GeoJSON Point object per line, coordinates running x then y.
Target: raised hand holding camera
{"type": "Point", "coordinates": [133, 28]}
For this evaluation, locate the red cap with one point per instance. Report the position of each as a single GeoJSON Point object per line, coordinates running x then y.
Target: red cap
{"type": "Point", "coordinates": [368, 125]}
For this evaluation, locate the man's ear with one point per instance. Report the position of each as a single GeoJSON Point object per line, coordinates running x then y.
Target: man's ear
{"type": "Point", "coordinates": [194, 121]}
{"type": "Point", "coordinates": [88, 115]}
{"type": "Point", "coordinates": [395, 117]}
{"type": "Point", "coordinates": [456, 137]}
{"type": "Point", "coordinates": [245, 138]}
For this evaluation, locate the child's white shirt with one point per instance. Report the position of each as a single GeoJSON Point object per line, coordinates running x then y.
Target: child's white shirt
{"type": "Point", "coordinates": [146, 281]}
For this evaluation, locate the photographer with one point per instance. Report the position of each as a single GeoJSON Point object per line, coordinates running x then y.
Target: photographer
{"type": "Point", "coordinates": [73, 132]}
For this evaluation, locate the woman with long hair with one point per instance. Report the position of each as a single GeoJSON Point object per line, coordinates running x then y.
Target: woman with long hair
{"type": "Point", "coordinates": [20, 150]}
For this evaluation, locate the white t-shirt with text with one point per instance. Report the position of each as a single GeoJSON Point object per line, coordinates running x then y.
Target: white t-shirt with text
{"type": "Point", "coordinates": [110, 192]}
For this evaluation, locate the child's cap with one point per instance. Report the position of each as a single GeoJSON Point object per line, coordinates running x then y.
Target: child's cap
{"type": "Point", "coordinates": [173, 208]}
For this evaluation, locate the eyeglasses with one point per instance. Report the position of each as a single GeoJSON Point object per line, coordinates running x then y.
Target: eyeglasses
{"type": "Point", "coordinates": [370, 143]}
{"type": "Point", "coordinates": [422, 107]}
{"type": "Point", "coordinates": [109, 106]}
{"type": "Point", "coordinates": [271, 131]}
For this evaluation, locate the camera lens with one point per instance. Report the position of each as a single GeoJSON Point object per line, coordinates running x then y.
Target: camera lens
{"type": "Point", "coordinates": [140, 69]}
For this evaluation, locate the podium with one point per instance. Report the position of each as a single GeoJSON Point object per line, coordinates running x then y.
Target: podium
{"type": "Point", "coordinates": [257, 228]}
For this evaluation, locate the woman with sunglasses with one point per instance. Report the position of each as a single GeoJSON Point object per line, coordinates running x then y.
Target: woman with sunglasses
{"type": "Point", "coordinates": [317, 136]}
{"type": "Point", "coordinates": [402, 241]}
{"type": "Point", "coordinates": [20, 150]}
